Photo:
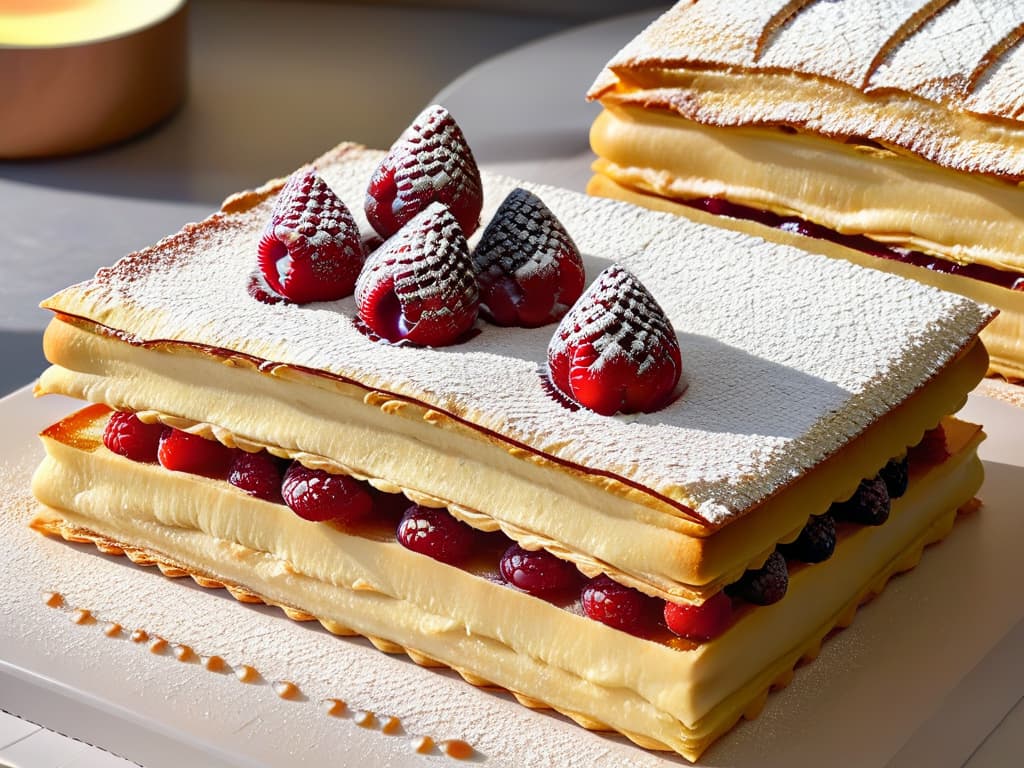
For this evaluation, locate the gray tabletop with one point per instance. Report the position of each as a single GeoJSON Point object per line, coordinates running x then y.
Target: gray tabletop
{"type": "Point", "coordinates": [272, 85]}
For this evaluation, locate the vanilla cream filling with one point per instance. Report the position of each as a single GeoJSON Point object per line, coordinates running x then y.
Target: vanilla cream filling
{"type": "Point", "coordinates": [889, 197]}
{"type": "Point", "coordinates": [651, 691]}
{"type": "Point", "coordinates": [399, 445]}
{"type": "Point", "coordinates": [1003, 337]}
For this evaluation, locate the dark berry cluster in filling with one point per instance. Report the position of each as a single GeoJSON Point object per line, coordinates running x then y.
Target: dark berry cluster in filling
{"type": "Point", "coordinates": [320, 496]}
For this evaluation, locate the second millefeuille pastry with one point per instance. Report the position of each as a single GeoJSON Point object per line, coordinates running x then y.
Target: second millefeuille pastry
{"type": "Point", "coordinates": [889, 126]}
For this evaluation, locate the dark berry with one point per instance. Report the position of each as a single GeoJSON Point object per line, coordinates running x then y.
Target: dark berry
{"type": "Point", "coordinates": [816, 542]}
{"type": "Point", "coordinates": [185, 452]}
{"type": "Point", "coordinates": [868, 506]}
{"type": "Point", "coordinates": [896, 476]}
{"type": "Point", "coordinates": [700, 622]}
{"type": "Point", "coordinates": [539, 573]}
{"type": "Point", "coordinates": [621, 607]}
{"type": "Point", "coordinates": [435, 533]}
{"type": "Point", "coordinates": [128, 436]}
{"type": "Point", "coordinates": [258, 474]}
{"type": "Point", "coordinates": [316, 495]}
{"type": "Point", "coordinates": [764, 585]}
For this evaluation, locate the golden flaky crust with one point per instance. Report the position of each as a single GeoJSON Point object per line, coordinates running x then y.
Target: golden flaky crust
{"type": "Point", "coordinates": [937, 79]}
{"type": "Point", "coordinates": [51, 523]}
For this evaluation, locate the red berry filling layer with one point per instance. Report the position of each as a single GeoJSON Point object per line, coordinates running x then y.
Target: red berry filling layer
{"type": "Point", "coordinates": [320, 496]}
{"type": "Point", "coordinates": [1008, 279]}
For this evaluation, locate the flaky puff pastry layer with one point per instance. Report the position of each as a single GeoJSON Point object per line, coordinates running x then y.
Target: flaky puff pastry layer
{"type": "Point", "coordinates": [662, 694]}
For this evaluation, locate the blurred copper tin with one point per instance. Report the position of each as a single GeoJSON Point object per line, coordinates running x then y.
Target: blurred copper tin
{"type": "Point", "coordinates": [80, 74]}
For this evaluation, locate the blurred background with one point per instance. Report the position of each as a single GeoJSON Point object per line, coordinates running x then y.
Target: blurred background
{"type": "Point", "coordinates": [272, 84]}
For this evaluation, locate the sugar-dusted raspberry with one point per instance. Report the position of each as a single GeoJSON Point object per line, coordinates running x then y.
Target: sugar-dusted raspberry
{"type": "Point", "coordinates": [529, 269]}
{"type": "Point", "coordinates": [435, 533]}
{"type": "Point", "coordinates": [816, 542]}
{"type": "Point", "coordinates": [185, 452]}
{"type": "Point", "coordinates": [258, 474]}
{"type": "Point", "coordinates": [621, 607]}
{"type": "Point", "coordinates": [896, 475]}
{"type": "Point", "coordinates": [430, 162]}
{"type": "Point", "coordinates": [311, 249]}
{"type": "Point", "coordinates": [700, 622]}
{"type": "Point", "coordinates": [128, 436]}
{"type": "Point", "coordinates": [615, 350]}
{"type": "Point", "coordinates": [764, 585]}
{"type": "Point", "coordinates": [316, 495]}
{"type": "Point", "coordinates": [538, 572]}
{"type": "Point", "coordinates": [420, 286]}
{"type": "Point", "coordinates": [869, 505]}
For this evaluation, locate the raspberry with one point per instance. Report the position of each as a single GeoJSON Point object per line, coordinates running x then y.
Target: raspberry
{"type": "Point", "coordinates": [621, 607]}
{"type": "Point", "coordinates": [435, 533]}
{"type": "Point", "coordinates": [258, 474]}
{"type": "Point", "coordinates": [128, 436]}
{"type": "Point", "coordinates": [816, 542]}
{"type": "Point", "coordinates": [420, 285]}
{"type": "Point", "coordinates": [896, 476]}
{"type": "Point", "coordinates": [869, 505]}
{"type": "Point", "coordinates": [430, 162]}
{"type": "Point", "coordinates": [529, 269]}
{"type": "Point", "coordinates": [185, 452]}
{"type": "Point", "coordinates": [311, 249]}
{"type": "Point", "coordinates": [700, 622]}
{"type": "Point", "coordinates": [539, 573]}
{"type": "Point", "coordinates": [615, 350]}
{"type": "Point", "coordinates": [764, 585]}
{"type": "Point", "coordinates": [316, 495]}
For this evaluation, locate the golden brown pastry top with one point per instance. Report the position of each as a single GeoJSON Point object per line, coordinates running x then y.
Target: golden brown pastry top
{"type": "Point", "coordinates": [944, 80]}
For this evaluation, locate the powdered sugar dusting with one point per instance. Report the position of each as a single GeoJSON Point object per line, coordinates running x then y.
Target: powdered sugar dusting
{"type": "Point", "coordinates": [788, 355]}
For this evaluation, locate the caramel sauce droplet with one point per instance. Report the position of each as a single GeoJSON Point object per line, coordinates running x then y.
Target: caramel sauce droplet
{"type": "Point", "coordinates": [365, 719]}
{"type": "Point", "coordinates": [139, 636]}
{"type": "Point", "coordinates": [112, 629]}
{"type": "Point", "coordinates": [158, 645]}
{"type": "Point", "coordinates": [246, 674]}
{"type": "Point", "coordinates": [286, 689]}
{"type": "Point", "coordinates": [334, 707]}
{"type": "Point", "coordinates": [214, 663]}
{"type": "Point", "coordinates": [53, 599]}
{"type": "Point", "coordinates": [423, 744]}
{"type": "Point", "coordinates": [458, 749]}
{"type": "Point", "coordinates": [183, 653]}
{"type": "Point", "coordinates": [392, 726]}
{"type": "Point", "coordinates": [82, 616]}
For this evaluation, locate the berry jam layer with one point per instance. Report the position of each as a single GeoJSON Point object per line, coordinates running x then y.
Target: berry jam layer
{"type": "Point", "coordinates": [374, 575]}
{"type": "Point", "coordinates": [400, 445]}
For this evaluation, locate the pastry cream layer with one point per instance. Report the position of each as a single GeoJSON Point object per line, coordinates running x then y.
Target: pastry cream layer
{"type": "Point", "coordinates": [399, 445]}
{"type": "Point", "coordinates": [1003, 337]}
{"type": "Point", "coordinates": [660, 695]}
{"type": "Point", "coordinates": [851, 188]}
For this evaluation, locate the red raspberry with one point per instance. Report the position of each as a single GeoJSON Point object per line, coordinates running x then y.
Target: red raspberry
{"type": "Point", "coordinates": [311, 249]}
{"type": "Point", "coordinates": [435, 533]}
{"type": "Point", "coordinates": [128, 436]}
{"type": "Point", "coordinates": [539, 573]}
{"type": "Point", "coordinates": [196, 455]}
{"type": "Point", "coordinates": [529, 269]}
{"type": "Point", "coordinates": [258, 474]}
{"type": "Point", "coordinates": [430, 162]}
{"type": "Point", "coordinates": [700, 622]}
{"type": "Point", "coordinates": [621, 607]}
{"type": "Point", "coordinates": [420, 285]}
{"type": "Point", "coordinates": [615, 350]}
{"type": "Point", "coordinates": [316, 495]}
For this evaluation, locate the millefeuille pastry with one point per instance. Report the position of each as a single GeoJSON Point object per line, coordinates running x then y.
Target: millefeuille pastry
{"type": "Point", "coordinates": [889, 126]}
{"type": "Point", "coordinates": [640, 504]}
